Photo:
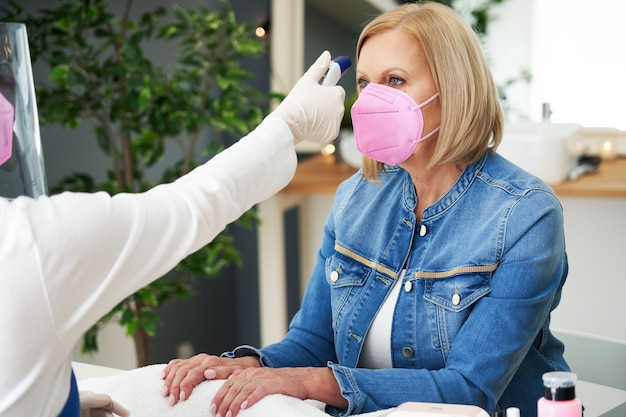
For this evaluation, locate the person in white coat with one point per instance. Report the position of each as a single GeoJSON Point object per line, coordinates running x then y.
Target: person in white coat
{"type": "Point", "coordinates": [67, 259]}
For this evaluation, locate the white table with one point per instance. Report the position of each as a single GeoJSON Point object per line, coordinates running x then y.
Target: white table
{"type": "Point", "coordinates": [86, 370]}
{"type": "Point", "coordinates": [597, 399]}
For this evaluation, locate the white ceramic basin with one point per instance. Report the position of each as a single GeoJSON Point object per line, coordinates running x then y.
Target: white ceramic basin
{"type": "Point", "coordinates": [541, 148]}
{"type": "Point", "coordinates": [347, 148]}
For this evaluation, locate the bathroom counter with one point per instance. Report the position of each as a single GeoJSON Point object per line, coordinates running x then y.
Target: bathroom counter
{"type": "Point", "coordinates": [320, 174]}
{"type": "Point", "coordinates": [609, 181]}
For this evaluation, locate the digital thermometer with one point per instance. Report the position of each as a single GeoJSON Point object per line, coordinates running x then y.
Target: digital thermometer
{"type": "Point", "coordinates": [338, 66]}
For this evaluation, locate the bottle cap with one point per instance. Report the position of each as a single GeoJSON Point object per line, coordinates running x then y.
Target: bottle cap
{"type": "Point", "coordinates": [512, 412]}
{"type": "Point", "coordinates": [559, 386]}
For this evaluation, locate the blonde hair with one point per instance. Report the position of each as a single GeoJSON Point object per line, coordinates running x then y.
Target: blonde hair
{"type": "Point", "coordinates": [471, 115]}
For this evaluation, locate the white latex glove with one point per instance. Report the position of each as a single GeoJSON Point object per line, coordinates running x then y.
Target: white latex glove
{"type": "Point", "coordinates": [312, 111]}
{"type": "Point", "coordinates": [100, 405]}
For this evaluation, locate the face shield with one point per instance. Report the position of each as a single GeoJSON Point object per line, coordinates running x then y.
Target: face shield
{"type": "Point", "coordinates": [21, 159]}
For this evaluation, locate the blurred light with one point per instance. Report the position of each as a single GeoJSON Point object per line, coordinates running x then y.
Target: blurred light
{"type": "Point", "coordinates": [263, 29]}
{"type": "Point", "coordinates": [260, 32]}
{"type": "Point", "coordinates": [328, 149]}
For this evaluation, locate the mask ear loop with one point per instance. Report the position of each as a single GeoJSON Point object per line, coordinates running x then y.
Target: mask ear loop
{"type": "Point", "coordinates": [435, 130]}
{"type": "Point", "coordinates": [434, 96]}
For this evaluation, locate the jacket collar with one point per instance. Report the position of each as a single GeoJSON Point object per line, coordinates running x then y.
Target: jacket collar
{"type": "Point", "coordinates": [466, 179]}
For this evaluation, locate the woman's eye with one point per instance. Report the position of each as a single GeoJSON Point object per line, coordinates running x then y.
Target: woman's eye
{"type": "Point", "coordinates": [395, 81]}
{"type": "Point", "coordinates": [392, 81]}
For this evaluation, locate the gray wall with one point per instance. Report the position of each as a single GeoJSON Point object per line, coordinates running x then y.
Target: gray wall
{"type": "Point", "coordinates": [323, 32]}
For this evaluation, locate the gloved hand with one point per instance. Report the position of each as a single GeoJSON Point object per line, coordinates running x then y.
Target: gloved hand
{"type": "Point", "coordinates": [312, 111]}
{"type": "Point", "coordinates": [100, 405]}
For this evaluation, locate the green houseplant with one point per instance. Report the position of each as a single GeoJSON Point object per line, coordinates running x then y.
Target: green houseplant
{"type": "Point", "coordinates": [98, 72]}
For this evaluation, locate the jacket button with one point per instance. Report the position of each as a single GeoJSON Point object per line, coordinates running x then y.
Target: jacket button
{"type": "Point", "coordinates": [334, 276]}
{"type": "Point", "coordinates": [456, 299]}
{"type": "Point", "coordinates": [407, 352]}
{"type": "Point", "coordinates": [423, 230]}
{"type": "Point", "coordinates": [408, 286]}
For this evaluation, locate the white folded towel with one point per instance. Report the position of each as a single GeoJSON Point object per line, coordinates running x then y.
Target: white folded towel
{"type": "Point", "coordinates": [139, 390]}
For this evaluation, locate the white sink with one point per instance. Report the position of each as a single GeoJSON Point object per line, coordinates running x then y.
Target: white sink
{"type": "Point", "coordinates": [541, 148]}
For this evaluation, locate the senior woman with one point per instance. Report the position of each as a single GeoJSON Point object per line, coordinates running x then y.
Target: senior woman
{"type": "Point", "coordinates": [441, 261]}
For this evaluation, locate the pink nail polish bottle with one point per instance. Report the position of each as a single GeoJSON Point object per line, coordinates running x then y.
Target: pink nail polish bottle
{"type": "Point", "coordinates": [559, 397]}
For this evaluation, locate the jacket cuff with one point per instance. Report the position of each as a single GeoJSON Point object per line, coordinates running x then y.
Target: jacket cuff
{"type": "Point", "coordinates": [246, 350]}
{"type": "Point", "coordinates": [349, 391]}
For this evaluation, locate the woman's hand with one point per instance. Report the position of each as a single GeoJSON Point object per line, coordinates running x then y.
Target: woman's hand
{"type": "Point", "coordinates": [182, 375]}
{"type": "Point", "coordinates": [246, 387]}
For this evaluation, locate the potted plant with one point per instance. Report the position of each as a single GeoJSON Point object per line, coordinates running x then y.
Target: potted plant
{"type": "Point", "coordinates": [99, 73]}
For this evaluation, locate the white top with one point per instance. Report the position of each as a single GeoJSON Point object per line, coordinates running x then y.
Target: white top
{"type": "Point", "coordinates": [68, 259]}
{"type": "Point", "coordinates": [376, 353]}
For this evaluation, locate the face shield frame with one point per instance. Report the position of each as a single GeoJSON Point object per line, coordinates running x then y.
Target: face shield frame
{"type": "Point", "coordinates": [22, 170]}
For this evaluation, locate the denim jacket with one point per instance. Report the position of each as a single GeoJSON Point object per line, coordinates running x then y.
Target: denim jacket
{"type": "Point", "coordinates": [485, 267]}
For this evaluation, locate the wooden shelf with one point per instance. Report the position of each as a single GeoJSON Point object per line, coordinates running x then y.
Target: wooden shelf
{"type": "Point", "coordinates": [320, 174]}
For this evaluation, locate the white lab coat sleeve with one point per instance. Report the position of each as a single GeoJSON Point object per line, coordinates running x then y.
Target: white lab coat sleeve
{"type": "Point", "coordinates": [68, 259]}
{"type": "Point", "coordinates": [94, 250]}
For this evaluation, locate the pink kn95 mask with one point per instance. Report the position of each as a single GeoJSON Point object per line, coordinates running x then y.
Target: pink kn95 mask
{"type": "Point", "coordinates": [6, 129]}
{"type": "Point", "coordinates": [388, 124]}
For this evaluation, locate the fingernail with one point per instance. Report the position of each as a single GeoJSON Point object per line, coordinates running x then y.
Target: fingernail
{"type": "Point", "coordinates": [164, 391]}
{"type": "Point", "coordinates": [210, 374]}
{"type": "Point", "coordinates": [172, 400]}
{"type": "Point", "coordinates": [229, 414]}
{"type": "Point", "coordinates": [183, 395]}
{"type": "Point", "coordinates": [213, 408]}
{"type": "Point", "coordinates": [244, 405]}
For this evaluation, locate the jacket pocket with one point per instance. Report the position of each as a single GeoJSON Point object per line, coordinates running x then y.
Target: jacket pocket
{"type": "Point", "coordinates": [450, 301]}
{"type": "Point", "coordinates": [345, 277]}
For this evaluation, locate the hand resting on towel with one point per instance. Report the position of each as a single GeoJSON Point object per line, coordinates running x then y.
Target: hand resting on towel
{"type": "Point", "coordinates": [248, 382]}
{"type": "Point", "coordinates": [139, 390]}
